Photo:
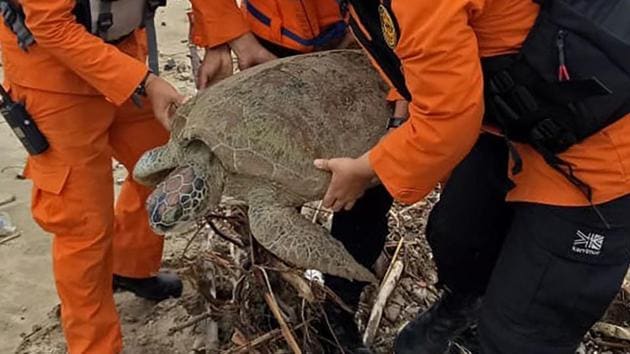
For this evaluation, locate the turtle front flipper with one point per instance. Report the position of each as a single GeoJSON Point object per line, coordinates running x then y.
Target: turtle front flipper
{"type": "Point", "coordinates": [292, 238]}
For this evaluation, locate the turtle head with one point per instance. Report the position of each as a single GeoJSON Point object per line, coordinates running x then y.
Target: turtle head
{"type": "Point", "coordinates": [192, 186]}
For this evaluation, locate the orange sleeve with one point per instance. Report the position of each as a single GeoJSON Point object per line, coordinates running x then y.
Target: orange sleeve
{"type": "Point", "coordinates": [439, 55]}
{"type": "Point", "coordinates": [217, 22]}
{"type": "Point", "coordinates": [55, 29]}
{"type": "Point", "coordinates": [393, 95]}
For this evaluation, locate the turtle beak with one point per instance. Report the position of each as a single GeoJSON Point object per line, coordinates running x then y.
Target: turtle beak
{"type": "Point", "coordinates": [155, 165]}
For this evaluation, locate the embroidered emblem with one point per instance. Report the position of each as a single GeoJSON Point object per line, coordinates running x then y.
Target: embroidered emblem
{"type": "Point", "coordinates": [387, 26]}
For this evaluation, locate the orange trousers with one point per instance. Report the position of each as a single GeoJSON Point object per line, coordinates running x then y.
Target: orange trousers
{"type": "Point", "coordinates": [73, 198]}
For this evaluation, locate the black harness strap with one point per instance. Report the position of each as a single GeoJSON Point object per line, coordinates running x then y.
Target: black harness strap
{"type": "Point", "coordinates": [14, 19]}
{"type": "Point", "coordinates": [388, 61]}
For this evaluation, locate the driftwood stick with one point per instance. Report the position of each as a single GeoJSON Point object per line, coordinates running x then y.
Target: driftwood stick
{"type": "Point", "coordinates": [212, 336]}
{"type": "Point", "coordinates": [223, 235]}
{"type": "Point", "coordinates": [612, 331]}
{"type": "Point", "coordinates": [609, 344]}
{"type": "Point", "coordinates": [300, 284]}
{"type": "Point", "coordinates": [339, 346]}
{"type": "Point", "coordinates": [193, 321]}
{"type": "Point", "coordinates": [388, 285]}
{"type": "Point", "coordinates": [247, 347]}
{"type": "Point", "coordinates": [191, 239]}
{"type": "Point", "coordinates": [394, 257]}
{"type": "Point", "coordinates": [265, 338]}
{"type": "Point", "coordinates": [626, 286]}
{"type": "Point", "coordinates": [335, 298]}
{"type": "Point", "coordinates": [277, 313]}
{"type": "Point", "coordinates": [9, 238]}
{"type": "Point", "coordinates": [396, 218]}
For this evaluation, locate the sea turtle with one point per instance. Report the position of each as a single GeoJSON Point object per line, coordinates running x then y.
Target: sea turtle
{"type": "Point", "coordinates": [254, 137]}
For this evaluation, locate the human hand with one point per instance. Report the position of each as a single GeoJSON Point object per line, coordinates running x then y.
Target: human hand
{"type": "Point", "coordinates": [164, 98]}
{"type": "Point", "coordinates": [216, 66]}
{"type": "Point", "coordinates": [249, 51]}
{"type": "Point", "coordinates": [350, 179]}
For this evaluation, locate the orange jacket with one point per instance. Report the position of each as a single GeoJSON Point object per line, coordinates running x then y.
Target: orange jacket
{"type": "Point", "coordinates": [67, 58]}
{"type": "Point", "coordinates": [438, 44]}
{"type": "Point", "coordinates": [302, 25]}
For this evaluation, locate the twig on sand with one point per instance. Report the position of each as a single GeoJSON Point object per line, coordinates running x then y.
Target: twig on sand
{"type": "Point", "coordinates": [387, 287]}
{"type": "Point", "coordinates": [401, 242]}
{"type": "Point", "coordinates": [193, 321]}
{"type": "Point", "coordinates": [605, 343]}
{"type": "Point", "coordinates": [212, 337]}
{"type": "Point", "coordinates": [9, 238]}
{"type": "Point", "coordinates": [270, 299]}
{"type": "Point", "coordinates": [190, 241]}
{"type": "Point", "coordinates": [337, 343]}
{"type": "Point", "coordinates": [626, 286]}
{"type": "Point", "coordinates": [335, 298]}
{"type": "Point", "coordinates": [396, 218]}
{"type": "Point", "coordinates": [381, 300]}
{"type": "Point", "coordinates": [300, 284]}
{"type": "Point", "coordinates": [222, 217]}
{"type": "Point", "coordinates": [223, 235]}
{"type": "Point", "coordinates": [265, 338]}
{"type": "Point", "coordinates": [612, 331]}
{"type": "Point", "coordinates": [6, 198]}
{"type": "Point", "coordinates": [16, 167]}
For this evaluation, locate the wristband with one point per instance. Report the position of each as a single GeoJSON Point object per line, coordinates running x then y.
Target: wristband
{"type": "Point", "coordinates": [395, 122]}
{"type": "Point", "coordinates": [141, 90]}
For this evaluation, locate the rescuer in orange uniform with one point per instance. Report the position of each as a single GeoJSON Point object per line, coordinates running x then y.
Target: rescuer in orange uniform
{"type": "Point", "coordinates": [78, 89]}
{"type": "Point", "coordinates": [262, 30]}
{"type": "Point", "coordinates": [545, 262]}
{"type": "Point", "coordinates": [265, 29]}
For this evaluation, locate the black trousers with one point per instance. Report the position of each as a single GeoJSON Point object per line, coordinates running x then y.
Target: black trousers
{"type": "Point", "coordinates": [546, 273]}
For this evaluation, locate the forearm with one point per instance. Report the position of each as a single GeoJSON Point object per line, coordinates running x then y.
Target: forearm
{"type": "Point", "coordinates": [401, 109]}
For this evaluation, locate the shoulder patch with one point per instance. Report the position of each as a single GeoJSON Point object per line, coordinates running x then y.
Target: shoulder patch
{"type": "Point", "coordinates": [387, 27]}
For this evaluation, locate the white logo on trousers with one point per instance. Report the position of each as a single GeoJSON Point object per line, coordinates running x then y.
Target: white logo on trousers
{"type": "Point", "coordinates": [590, 243]}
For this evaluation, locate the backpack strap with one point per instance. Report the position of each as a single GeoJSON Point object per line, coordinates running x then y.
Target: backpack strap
{"type": "Point", "coordinates": [105, 18]}
{"type": "Point", "coordinates": [371, 13]}
{"type": "Point", "coordinates": [149, 24]}
{"type": "Point", "coordinates": [14, 19]}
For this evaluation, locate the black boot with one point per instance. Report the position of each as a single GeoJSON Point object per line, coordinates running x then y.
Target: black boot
{"type": "Point", "coordinates": [433, 330]}
{"type": "Point", "coordinates": [157, 288]}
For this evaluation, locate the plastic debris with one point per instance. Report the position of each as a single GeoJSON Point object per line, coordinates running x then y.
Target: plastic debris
{"type": "Point", "coordinates": [6, 225]}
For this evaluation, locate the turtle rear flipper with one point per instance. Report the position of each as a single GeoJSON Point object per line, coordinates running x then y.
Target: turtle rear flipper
{"type": "Point", "coordinates": [292, 238]}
